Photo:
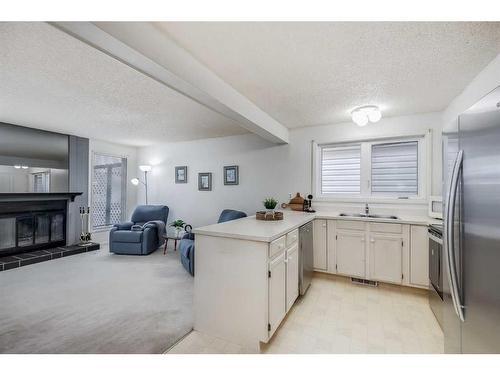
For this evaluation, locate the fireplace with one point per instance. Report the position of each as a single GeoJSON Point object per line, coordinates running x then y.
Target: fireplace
{"type": "Point", "coordinates": [32, 225]}
{"type": "Point", "coordinates": [36, 227]}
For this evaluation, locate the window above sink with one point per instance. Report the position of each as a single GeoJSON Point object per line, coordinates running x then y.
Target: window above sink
{"type": "Point", "coordinates": [376, 170]}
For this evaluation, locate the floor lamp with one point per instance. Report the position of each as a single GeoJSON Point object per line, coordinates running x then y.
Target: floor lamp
{"type": "Point", "coordinates": [136, 181]}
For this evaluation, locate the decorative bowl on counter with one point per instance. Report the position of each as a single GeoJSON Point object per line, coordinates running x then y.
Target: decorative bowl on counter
{"type": "Point", "coordinates": [269, 216]}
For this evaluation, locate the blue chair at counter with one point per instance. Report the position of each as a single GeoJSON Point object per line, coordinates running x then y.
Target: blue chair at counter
{"type": "Point", "coordinates": [143, 234]}
{"type": "Point", "coordinates": [186, 245]}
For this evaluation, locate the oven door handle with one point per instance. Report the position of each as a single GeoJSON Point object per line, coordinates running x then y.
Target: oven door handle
{"type": "Point", "coordinates": [450, 236]}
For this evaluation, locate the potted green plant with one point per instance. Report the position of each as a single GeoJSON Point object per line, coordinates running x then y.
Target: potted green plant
{"type": "Point", "coordinates": [178, 226]}
{"type": "Point", "coordinates": [270, 205]}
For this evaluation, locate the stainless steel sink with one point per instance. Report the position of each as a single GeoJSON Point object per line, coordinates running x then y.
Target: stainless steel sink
{"type": "Point", "coordinates": [392, 217]}
{"type": "Point", "coordinates": [370, 216]}
{"type": "Point", "coordinates": [354, 215]}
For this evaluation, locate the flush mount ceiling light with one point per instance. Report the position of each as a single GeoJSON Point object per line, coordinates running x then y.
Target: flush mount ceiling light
{"type": "Point", "coordinates": [368, 113]}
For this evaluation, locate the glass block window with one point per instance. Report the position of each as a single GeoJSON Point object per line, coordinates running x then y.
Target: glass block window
{"type": "Point", "coordinates": [108, 190]}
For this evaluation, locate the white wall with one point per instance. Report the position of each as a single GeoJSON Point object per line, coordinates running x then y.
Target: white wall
{"type": "Point", "coordinates": [58, 180]}
{"type": "Point", "coordinates": [108, 148]}
{"type": "Point", "coordinates": [487, 80]}
{"type": "Point", "coordinates": [395, 126]}
{"type": "Point", "coordinates": [13, 180]}
{"type": "Point", "coordinates": [259, 176]}
{"type": "Point", "coordinates": [265, 169]}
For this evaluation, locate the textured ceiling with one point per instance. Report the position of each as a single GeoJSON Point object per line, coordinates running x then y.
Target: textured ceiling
{"type": "Point", "coordinates": [315, 73]}
{"type": "Point", "coordinates": [51, 81]}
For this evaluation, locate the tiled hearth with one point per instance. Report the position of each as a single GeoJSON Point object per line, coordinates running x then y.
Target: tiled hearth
{"type": "Point", "coordinates": [23, 259]}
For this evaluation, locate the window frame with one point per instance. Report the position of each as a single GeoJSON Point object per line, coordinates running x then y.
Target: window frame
{"type": "Point", "coordinates": [45, 176]}
{"type": "Point", "coordinates": [424, 150]}
{"type": "Point", "coordinates": [124, 189]}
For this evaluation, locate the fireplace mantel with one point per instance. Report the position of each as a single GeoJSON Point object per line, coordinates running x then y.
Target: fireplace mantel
{"type": "Point", "coordinates": [5, 197]}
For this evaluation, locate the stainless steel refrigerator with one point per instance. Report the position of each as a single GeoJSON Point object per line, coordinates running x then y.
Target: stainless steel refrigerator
{"type": "Point", "coordinates": [471, 190]}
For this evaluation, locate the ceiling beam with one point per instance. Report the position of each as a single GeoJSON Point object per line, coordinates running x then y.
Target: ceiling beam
{"type": "Point", "coordinates": [149, 50]}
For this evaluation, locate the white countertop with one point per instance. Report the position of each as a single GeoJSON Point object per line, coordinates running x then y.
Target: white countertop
{"type": "Point", "coordinates": [249, 228]}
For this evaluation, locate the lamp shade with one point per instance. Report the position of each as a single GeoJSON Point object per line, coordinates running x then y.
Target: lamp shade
{"type": "Point", "coordinates": [145, 168]}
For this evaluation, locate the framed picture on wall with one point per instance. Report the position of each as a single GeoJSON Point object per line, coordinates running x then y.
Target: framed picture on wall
{"type": "Point", "coordinates": [205, 181]}
{"type": "Point", "coordinates": [231, 175]}
{"type": "Point", "coordinates": [181, 175]}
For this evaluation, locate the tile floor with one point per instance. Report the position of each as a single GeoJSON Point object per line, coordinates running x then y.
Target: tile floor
{"type": "Point", "coordinates": [337, 316]}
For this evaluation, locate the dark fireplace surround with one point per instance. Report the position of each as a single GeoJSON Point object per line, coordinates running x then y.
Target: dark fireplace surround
{"type": "Point", "coordinates": [32, 225]}
{"type": "Point", "coordinates": [37, 222]}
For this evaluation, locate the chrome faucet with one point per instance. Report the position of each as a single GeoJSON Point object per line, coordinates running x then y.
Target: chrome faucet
{"type": "Point", "coordinates": [367, 209]}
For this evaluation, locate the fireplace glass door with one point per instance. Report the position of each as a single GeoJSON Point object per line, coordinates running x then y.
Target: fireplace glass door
{"type": "Point", "coordinates": [32, 225]}
{"type": "Point", "coordinates": [42, 228]}
{"type": "Point", "coordinates": [25, 231]}
{"type": "Point", "coordinates": [7, 232]}
{"type": "Point", "coordinates": [57, 227]}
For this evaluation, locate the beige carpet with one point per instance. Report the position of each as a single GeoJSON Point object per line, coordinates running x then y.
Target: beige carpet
{"type": "Point", "coordinates": [96, 302]}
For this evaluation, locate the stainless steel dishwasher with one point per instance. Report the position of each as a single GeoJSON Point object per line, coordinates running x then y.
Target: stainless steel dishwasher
{"type": "Point", "coordinates": [305, 256]}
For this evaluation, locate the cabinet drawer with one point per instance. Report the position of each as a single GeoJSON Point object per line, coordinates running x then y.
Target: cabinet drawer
{"type": "Point", "coordinates": [386, 228]}
{"type": "Point", "coordinates": [277, 246]}
{"type": "Point", "coordinates": [350, 224]}
{"type": "Point", "coordinates": [292, 237]}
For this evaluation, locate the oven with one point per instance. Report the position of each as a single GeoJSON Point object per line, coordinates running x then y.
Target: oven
{"type": "Point", "coordinates": [435, 235]}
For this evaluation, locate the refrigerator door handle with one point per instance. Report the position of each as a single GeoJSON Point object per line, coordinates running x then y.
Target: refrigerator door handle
{"type": "Point", "coordinates": [450, 236]}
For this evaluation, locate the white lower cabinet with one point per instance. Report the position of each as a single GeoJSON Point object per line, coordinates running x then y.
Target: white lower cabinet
{"type": "Point", "coordinates": [319, 245]}
{"type": "Point", "coordinates": [277, 292]}
{"type": "Point", "coordinates": [350, 246]}
{"type": "Point", "coordinates": [386, 258]}
{"type": "Point", "coordinates": [380, 251]}
{"type": "Point", "coordinates": [283, 278]}
{"type": "Point", "coordinates": [292, 275]}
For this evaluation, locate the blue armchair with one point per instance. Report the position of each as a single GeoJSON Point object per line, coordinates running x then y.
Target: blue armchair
{"type": "Point", "coordinates": [186, 245]}
{"type": "Point", "coordinates": [135, 237]}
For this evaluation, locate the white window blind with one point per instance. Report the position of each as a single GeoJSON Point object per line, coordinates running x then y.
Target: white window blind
{"type": "Point", "coordinates": [395, 168]}
{"type": "Point", "coordinates": [341, 169]}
